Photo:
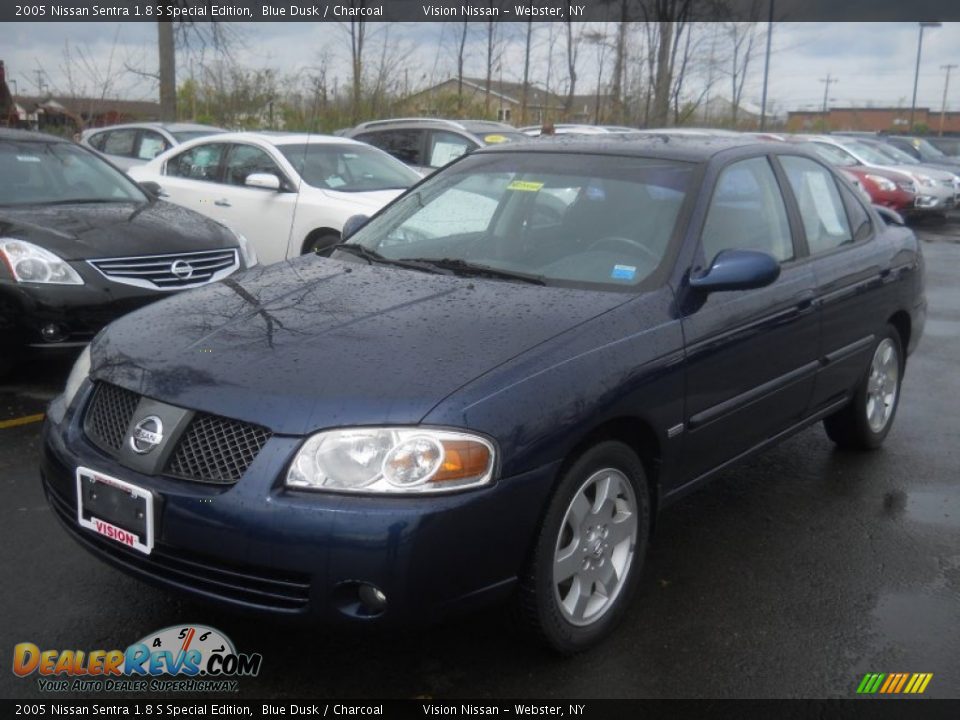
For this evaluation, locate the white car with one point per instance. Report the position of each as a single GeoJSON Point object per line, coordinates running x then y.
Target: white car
{"type": "Point", "coordinates": [288, 194]}
{"type": "Point", "coordinates": [134, 144]}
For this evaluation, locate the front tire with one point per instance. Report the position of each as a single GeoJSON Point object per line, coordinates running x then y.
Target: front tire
{"type": "Point", "coordinates": [316, 244]}
{"type": "Point", "coordinates": [865, 422]}
{"type": "Point", "coordinates": [590, 550]}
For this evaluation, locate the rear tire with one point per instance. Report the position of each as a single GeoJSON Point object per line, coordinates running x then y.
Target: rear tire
{"type": "Point", "coordinates": [864, 423]}
{"type": "Point", "coordinates": [590, 550]}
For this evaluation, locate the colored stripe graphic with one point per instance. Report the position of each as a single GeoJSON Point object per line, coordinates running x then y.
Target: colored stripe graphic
{"type": "Point", "coordinates": [894, 683]}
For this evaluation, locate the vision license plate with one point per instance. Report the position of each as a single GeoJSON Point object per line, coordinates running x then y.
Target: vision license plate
{"type": "Point", "coordinates": [115, 509]}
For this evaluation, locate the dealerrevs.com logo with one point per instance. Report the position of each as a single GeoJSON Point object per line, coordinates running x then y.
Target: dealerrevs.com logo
{"type": "Point", "coordinates": [181, 658]}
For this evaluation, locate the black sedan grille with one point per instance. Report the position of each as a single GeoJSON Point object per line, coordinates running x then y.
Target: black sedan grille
{"type": "Point", "coordinates": [172, 271]}
{"type": "Point", "coordinates": [110, 414]}
{"type": "Point", "coordinates": [216, 449]}
{"type": "Point", "coordinates": [212, 449]}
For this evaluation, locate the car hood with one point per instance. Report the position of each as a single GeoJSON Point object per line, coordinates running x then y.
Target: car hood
{"type": "Point", "coordinates": [83, 231]}
{"type": "Point", "coordinates": [931, 172]}
{"type": "Point", "coordinates": [363, 201]}
{"type": "Point", "coordinates": [315, 342]}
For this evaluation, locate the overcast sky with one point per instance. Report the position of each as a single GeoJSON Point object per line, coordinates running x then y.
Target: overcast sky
{"type": "Point", "coordinates": [873, 62]}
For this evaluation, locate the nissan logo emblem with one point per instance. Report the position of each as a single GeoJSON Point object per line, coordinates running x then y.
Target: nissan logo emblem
{"type": "Point", "coordinates": [182, 269]}
{"type": "Point", "coordinates": [146, 435]}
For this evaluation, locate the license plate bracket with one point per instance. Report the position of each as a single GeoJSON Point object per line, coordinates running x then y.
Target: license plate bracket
{"type": "Point", "coordinates": [115, 509]}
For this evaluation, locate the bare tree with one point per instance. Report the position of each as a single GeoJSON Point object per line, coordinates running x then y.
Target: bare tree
{"type": "Point", "coordinates": [526, 72]}
{"type": "Point", "coordinates": [744, 41]}
{"type": "Point", "coordinates": [574, 36]}
{"type": "Point", "coordinates": [665, 22]}
{"type": "Point", "coordinates": [185, 35]}
{"type": "Point", "coordinates": [493, 51]}
{"type": "Point", "coordinates": [461, 47]}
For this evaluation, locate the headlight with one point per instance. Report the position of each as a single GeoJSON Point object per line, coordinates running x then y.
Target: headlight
{"type": "Point", "coordinates": [882, 183]}
{"type": "Point", "coordinates": [29, 263]}
{"type": "Point", "coordinates": [926, 180]}
{"type": "Point", "coordinates": [907, 186]}
{"type": "Point", "coordinates": [81, 369]}
{"type": "Point", "coordinates": [392, 460]}
{"type": "Point", "coordinates": [250, 258]}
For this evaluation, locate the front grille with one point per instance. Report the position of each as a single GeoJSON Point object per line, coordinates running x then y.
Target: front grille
{"type": "Point", "coordinates": [261, 587]}
{"type": "Point", "coordinates": [217, 450]}
{"type": "Point", "coordinates": [172, 271]}
{"type": "Point", "coordinates": [212, 449]}
{"type": "Point", "coordinates": [109, 415]}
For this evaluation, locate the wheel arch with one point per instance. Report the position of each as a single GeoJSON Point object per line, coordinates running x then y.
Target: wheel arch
{"type": "Point", "coordinates": [314, 234]}
{"type": "Point", "coordinates": [900, 321]}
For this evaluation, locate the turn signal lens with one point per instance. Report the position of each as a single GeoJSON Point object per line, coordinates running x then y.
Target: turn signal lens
{"type": "Point", "coordinates": [462, 459]}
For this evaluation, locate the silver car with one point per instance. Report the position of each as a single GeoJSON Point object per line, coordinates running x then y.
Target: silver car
{"type": "Point", "coordinates": [133, 144]}
{"type": "Point", "coordinates": [936, 189]}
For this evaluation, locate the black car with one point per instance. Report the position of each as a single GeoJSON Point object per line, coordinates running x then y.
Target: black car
{"type": "Point", "coordinates": [82, 244]}
{"type": "Point", "coordinates": [493, 387]}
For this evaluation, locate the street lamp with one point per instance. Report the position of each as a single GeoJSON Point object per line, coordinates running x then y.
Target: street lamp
{"type": "Point", "coordinates": [916, 72]}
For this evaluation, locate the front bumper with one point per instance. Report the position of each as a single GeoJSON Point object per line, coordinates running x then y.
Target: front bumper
{"type": "Point", "coordinates": [939, 199]}
{"type": "Point", "coordinates": [77, 312]}
{"type": "Point", "coordinates": [258, 546]}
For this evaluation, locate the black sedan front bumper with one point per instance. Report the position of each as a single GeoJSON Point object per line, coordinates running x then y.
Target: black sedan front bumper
{"type": "Point", "coordinates": [62, 316]}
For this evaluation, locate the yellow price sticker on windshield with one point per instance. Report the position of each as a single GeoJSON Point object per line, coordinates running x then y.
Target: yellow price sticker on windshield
{"type": "Point", "coordinates": [525, 185]}
{"type": "Point", "coordinates": [494, 139]}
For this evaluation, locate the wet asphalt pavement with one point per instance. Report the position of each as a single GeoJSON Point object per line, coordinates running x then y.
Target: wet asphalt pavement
{"type": "Point", "coordinates": [790, 576]}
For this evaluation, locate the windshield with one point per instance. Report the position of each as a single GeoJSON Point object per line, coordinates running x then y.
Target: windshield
{"type": "Point", "coordinates": [949, 146]}
{"type": "Point", "coordinates": [348, 167]}
{"type": "Point", "coordinates": [834, 155]}
{"type": "Point", "coordinates": [876, 155]}
{"type": "Point", "coordinates": [34, 173]}
{"type": "Point", "coordinates": [567, 219]}
{"type": "Point", "coordinates": [895, 154]}
{"type": "Point", "coordinates": [927, 150]}
{"type": "Point", "coordinates": [184, 135]}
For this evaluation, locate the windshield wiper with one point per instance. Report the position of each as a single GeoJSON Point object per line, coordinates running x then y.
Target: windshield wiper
{"type": "Point", "coordinates": [469, 269]}
{"type": "Point", "coordinates": [372, 256]}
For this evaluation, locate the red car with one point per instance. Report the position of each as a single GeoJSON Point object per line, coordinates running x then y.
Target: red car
{"type": "Point", "coordinates": [889, 188]}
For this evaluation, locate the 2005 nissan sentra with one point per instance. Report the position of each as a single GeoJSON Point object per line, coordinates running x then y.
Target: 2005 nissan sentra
{"type": "Point", "coordinates": [491, 388]}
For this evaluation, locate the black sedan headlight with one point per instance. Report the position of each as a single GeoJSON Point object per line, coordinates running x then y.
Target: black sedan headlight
{"type": "Point", "coordinates": [30, 263]}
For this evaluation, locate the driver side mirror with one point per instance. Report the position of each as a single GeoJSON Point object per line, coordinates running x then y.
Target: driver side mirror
{"type": "Point", "coordinates": [353, 223]}
{"type": "Point", "coordinates": [153, 189]}
{"type": "Point", "coordinates": [266, 181]}
{"type": "Point", "coordinates": [738, 270]}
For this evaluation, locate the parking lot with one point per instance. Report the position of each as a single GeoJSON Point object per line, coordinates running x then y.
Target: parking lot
{"type": "Point", "coordinates": [792, 575]}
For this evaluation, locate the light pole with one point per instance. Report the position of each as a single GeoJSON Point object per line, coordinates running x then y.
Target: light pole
{"type": "Point", "coordinates": [916, 72]}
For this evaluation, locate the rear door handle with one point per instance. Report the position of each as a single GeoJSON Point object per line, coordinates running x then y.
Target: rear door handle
{"type": "Point", "coordinates": [222, 203]}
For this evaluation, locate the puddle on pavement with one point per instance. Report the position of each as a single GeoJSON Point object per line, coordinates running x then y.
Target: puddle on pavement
{"type": "Point", "coordinates": [942, 328]}
{"type": "Point", "coordinates": [940, 507]}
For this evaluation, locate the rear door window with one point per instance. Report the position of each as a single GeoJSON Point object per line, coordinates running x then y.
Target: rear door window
{"type": "Point", "coordinates": [405, 145]}
{"type": "Point", "coordinates": [821, 207]}
{"type": "Point", "coordinates": [120, 142]}
{"type": "Point", "coordinates": [151, 144]}
{"type": "Point", "coordinates": [445, 147]}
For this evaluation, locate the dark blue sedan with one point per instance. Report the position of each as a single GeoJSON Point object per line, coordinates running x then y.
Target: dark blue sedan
{"type": "Point", "coordinates": [491, 388]}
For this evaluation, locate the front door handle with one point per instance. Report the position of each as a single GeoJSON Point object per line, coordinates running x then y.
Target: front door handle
{"type": "Point", "coordinates": [222, 203]}
{"type": "Point", "coordinates": [805, 300]}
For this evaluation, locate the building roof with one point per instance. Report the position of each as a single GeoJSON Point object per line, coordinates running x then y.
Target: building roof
{"type": "Point", "coordinates": [87, 106]}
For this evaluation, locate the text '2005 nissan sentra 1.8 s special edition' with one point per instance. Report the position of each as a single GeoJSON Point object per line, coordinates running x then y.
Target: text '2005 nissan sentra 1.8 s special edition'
{"type": "Point", "coordinates": [491, 387]}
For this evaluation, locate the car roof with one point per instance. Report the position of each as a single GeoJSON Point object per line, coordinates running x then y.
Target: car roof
{"type": "Point", "coordinates": [691, 148]}
{"type": "Point", "coordinates": [273, 137]}
{"type": "Point", "coordinates": [14, 134]}
{"type": "Point", "coordinates": [169, 127]}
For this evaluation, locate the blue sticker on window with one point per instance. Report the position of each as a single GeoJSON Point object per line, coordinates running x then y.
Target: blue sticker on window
{"type": "Point", "coordinates": [623, 272]}
{"type": "Point", "coordinates": [595, 192]}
